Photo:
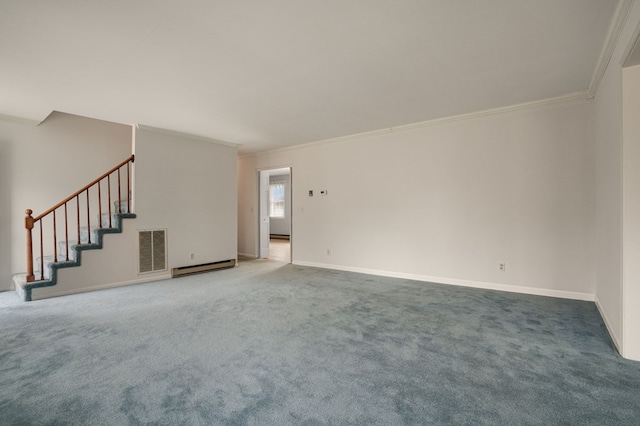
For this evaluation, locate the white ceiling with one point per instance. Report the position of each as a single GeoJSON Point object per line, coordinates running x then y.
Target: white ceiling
{"type": "Point", "coordinates": [268, 74]}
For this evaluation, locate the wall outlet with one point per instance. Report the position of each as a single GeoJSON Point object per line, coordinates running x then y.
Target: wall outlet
{"type": "Point", "coordinates": [502, 267]}
{"type": "Point", "coordinates": [192, 256]}
{"type": "Point", "coordinates": [311, 193]}
{"type": "Point", "coordinates": [328, 252]}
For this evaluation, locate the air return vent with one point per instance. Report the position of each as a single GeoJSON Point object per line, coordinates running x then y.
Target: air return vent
{"type": "Point", "coordinates": [152, 252]}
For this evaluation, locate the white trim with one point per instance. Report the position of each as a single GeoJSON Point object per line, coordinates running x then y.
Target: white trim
{"type": "Point", "coordinates": [615, 29]}
{"type": "Point", "coordinates": [463, 283]}
{"type": "Point", "coordinates": [500, 110]}
{"type": "Point", "coordinates": [607, 323]}
{"type": "Point", "coordinates": [19, 120]}
{"type": "Point", "coordinates": [34, 294]}
{"type": "Point", "coordinates": [185, 135]}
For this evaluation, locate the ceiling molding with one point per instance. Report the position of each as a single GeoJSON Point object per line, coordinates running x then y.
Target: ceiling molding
{"type": "Point", "coordinates": [185, 135]}
{"type": "Point", "coordinates": [617, 23]}
{"type": "Point", "coordinates": [20, 120]}
{"type": "Point", "coordinates": [501, 110]}
{"type": "Point", "coordinates": [320, 142]}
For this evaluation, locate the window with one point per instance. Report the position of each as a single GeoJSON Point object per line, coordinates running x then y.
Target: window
{"type": "Point", "coordinates": [276, 199]}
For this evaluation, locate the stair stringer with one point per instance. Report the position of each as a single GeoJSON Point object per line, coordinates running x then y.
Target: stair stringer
{"type": "Point", "coordinates": [25, 290]}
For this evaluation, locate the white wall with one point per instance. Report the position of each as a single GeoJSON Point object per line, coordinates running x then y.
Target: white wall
{"type": "Point", "coordinates": [631, 212]}
{"type": "Point", "coordinates": [608, 229]}
{"type": "Point", "coordinates": [6, 211]}
{"type": "Point", "coordinates": [277, 225]}
{"type": "Point", "coordinates": [448, 202]}
{"type": "Point", "coordinates": [41, 165]}
{"type": "Point", "coordinates": [609, 196]}
{"type": "Point", "coordinates": [187, 186]}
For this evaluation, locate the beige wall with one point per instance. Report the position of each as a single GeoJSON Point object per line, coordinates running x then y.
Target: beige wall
{"type": "Point", "coordinates": [631, 213]}
{"type": "Point", "coordinates": [448, 202]}
{"type": "Point", "coordinates": [187, 186]}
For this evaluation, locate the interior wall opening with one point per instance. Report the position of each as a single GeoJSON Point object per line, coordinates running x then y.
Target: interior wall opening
{"type": "Point", "coordinates": [275, 214]}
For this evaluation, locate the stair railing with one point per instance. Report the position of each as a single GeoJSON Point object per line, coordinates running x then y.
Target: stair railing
{"type": "Point", "coordinates": [30, 221]}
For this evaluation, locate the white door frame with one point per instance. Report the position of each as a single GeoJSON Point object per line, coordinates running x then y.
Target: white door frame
{"type": "Point", "coordinates": [263, 212]}
{"type": "Point", "coordinates": [264, 222]}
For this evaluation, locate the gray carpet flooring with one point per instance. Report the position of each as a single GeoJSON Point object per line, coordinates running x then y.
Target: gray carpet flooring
{"type": "Point", "coordinates": [269, 343]}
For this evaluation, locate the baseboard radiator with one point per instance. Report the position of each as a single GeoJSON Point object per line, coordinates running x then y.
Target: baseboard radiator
{"type": "Point", "coordinates": [205, 267]}
{"type": "Point", "coordinates": [279, 237]}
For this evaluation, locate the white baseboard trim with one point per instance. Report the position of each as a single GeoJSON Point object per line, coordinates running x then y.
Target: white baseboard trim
{"type": "Point", "coordinates": [66, 292]}
{"type": "Point", "coordinates": [463, 283]}
{"type": "Point", "coordinates": [607, 323]}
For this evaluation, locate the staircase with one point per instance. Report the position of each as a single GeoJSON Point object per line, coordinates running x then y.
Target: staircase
{"type": "Point", "coordinates": [53, 243]}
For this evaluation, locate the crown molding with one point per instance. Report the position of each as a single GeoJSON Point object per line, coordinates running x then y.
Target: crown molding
{"type": "Point", "coordinates": [615, 28]}
{"type": "Point", "coordinates": [185, 135]}
{"type": "Point", "coordinates": [493, 111]}
{"type": "Point", "coordinates": [501, 110]}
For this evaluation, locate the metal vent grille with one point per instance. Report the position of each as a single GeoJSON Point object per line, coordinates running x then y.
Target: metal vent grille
{"type": "Point", "coordinates": [152, 253]}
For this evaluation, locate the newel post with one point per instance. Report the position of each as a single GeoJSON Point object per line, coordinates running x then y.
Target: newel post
{"type": "Point", "coordinates": [28, 223]}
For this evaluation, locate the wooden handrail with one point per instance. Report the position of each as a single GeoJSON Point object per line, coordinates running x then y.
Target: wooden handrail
{"type": "Point", "coordinates": [84, 188]}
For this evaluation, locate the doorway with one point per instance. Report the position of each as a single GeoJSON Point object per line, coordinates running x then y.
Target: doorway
{"type": "Point", "coordinates": [274, 189]}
